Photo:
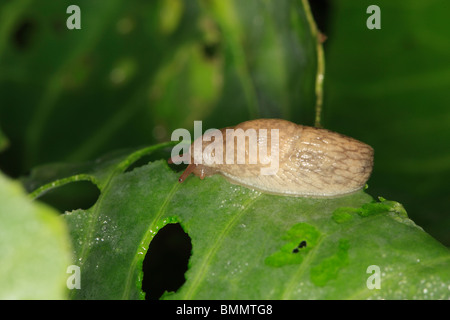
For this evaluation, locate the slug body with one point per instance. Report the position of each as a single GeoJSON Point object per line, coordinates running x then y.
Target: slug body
{"type": "Point", "coordinates": [311, 162]}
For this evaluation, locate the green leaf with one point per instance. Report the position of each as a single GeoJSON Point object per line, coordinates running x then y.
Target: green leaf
{"type": "Point", "coordinates": [34, 247]}
{"type": "Point", "coordinates": [247, 244]}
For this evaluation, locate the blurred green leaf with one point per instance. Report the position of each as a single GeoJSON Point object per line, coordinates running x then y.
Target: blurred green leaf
{"type": "Point", "coordinates": [34, 247]}
{"type": "Point", "coordinates": [247, 244]}
{"type": "Point", "coordinates": [139, 69]}
{"type": "Point", "coordinates": [389, 88]}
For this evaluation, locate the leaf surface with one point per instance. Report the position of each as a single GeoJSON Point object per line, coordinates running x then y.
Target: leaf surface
{"type": "Point", "coordinates": [250, 245]}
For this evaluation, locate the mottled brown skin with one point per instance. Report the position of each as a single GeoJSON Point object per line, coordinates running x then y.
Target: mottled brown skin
{"type": "Point", "coordinates": [312, 162]}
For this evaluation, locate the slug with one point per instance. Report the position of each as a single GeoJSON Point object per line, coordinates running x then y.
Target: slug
{"type": "Point", "coordinates": [312, 162]}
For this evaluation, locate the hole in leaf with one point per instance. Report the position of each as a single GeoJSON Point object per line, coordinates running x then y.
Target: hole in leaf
{"type": "Point", "coordinates": [59, 26]}
{"type": "Point", "coordinates": [210, 50]}
{"type": "Point", "coordinates": [300, 245]}
{"type": "Point", "coordinates": [72, 196]}
{"type": "Point", "coordinates": [166, 261]}
{"type": "Point", "coordinates": [24, 33]}
{"type": "Point", "coordinates": [145, 159]}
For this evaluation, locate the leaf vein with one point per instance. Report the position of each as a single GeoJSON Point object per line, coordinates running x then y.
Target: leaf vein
{"type": "Point", "coordinates": [200, 275]}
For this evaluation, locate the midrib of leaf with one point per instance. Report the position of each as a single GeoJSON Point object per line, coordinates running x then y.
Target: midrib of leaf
{"type": "Point", "coordinates": [149, 235]}
{"type": "Point", "coordinates": [213, 249]}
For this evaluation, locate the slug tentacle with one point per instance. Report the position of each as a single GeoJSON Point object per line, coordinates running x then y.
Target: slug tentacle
{"type": "Point", "coordinates": [190, 168]}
